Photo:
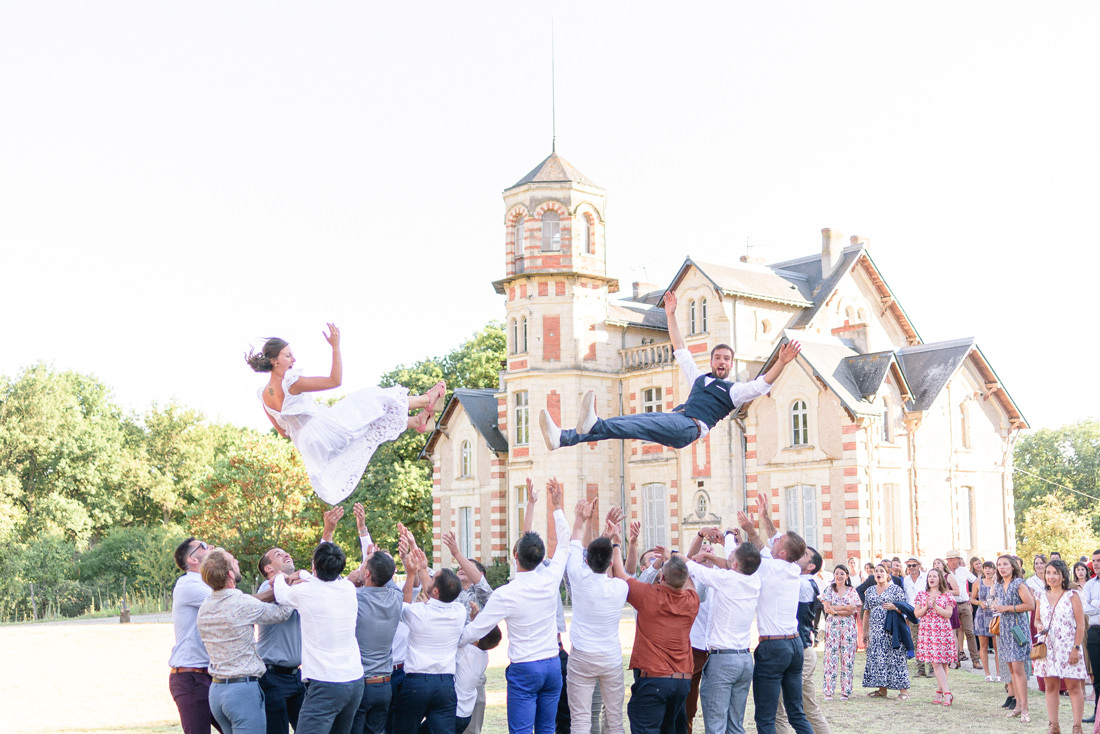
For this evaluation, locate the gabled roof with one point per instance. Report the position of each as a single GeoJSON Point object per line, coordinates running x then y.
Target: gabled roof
{"type": "Point", "coordinates": [929, 367]}
{"type": "Point", "coordinates": [869, 372]}
{"type": "Point", "coordinates": [481, 408]}
{"type": "Point", "coordinates": [752, 281]}
{"type": "Point", "coordinates": [553, 169]}
{"type": "Point", "coordinates": [829, 359]}
{"type": "Point", "coordinates": [632, 313]}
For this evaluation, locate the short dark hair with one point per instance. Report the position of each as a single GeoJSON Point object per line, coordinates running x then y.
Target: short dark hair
{"type": "Point", "coordinates": [447, 585]}
{"type": "Point", "coordinates": [264, 562]}
{"type": "Point", "coordinates": [381, 567]}
{"type": "Point", "coordinates": [748, 558]}
{"type": "Point", "coordinates": [328, 561]}
{"type": "Point", "coordinates": [675, 572]}
{"type": "Point", "coordinates": [726, 347]}
{"type": "Point", "coordinates": [599, 554]}
{"type": "Point", "coordinates": [530, 551]}
{"type": "Point", "coordinates": [895, 558]}
{"type": "Point", "coordinates": [1060, 565]}
{"type": "Point", "coordinates": [183, 550]}
{"type": "Point", "coordinates": [491, 639]}
{"type": "Point", "coordinates": [478, 565]}
{"type": "Point", "coordinates": [794, 545]}
{"type": "Point", "coordinates": [816, 560]}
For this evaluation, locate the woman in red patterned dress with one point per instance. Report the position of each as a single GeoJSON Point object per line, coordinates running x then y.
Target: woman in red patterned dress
{"type": "Point", "coordinates": [935, 639]}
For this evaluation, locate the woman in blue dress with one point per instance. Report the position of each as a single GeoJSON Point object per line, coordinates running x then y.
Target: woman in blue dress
{"type": "Point", "coordinates": [886, 666]}
{"type": "Point", "coordinates": [1013, 601]}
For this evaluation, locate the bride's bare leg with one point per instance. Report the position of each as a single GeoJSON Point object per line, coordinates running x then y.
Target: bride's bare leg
{"type": "Point", "coordinates": [416, 402]}
{"type": "Point", "coordinates": [429, 399]}
{"type": "Point", "coordinates": [421, 422]}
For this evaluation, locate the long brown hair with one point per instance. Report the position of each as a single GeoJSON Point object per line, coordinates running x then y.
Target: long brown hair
{"type": "Point", "coordinates": [942, 585]}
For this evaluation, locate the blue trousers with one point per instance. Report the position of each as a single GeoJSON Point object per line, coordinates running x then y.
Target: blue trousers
{"type": "Point", "coordinates": [533, 692]}
{"type": "Point", "coordinates": [283, 694]}
{"type": "Point", "coordinates": [238, 707]}
{"type": "Point", "coordinates": [779, 671]}
{"type": "Point", "coordinates": [425, 697]}
{"type": "Point", "coordinates": [675, 430]}
{"type": "Point", "coordinates": [329, 708]}
{"type": "Point", "coordinates": [657, 705]}
{"type": "Point", "coordinates": [374, 708]}
{"type": "Point", "coordinates": [396, 680]}
{"type": "Point", "coordinates": [724, 691]}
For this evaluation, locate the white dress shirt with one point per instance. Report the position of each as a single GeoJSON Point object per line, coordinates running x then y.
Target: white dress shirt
{"type": "Point", "coordinates": [912, 588]}
{"type": "Point", "coordinates": [963, 576]}
{"type": "Point", "coordinates": [188, 595]}
{"type": "Point", "coordinates": [434, 629]}
{"type": "Point", "coordinates": [470, 664]}
{"type": "Point", "coordinates": [598, 603]}
{"type": "Point", "coordinates": [330, 650]}
{"type": "Point", "coordinates": [700, 628]}
{"type": "Point", "coordinates": [529, 604]}
{"type": "Point", "coordinates": [733, 604]}
{"type": "Point", "coordinates": [740, 392]}
{"type": "Point", "coordinates": [777, 609]}
{"type": "Point", "coordinates": [1090, 600]}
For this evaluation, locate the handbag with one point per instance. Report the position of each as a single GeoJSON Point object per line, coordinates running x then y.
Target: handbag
{"type": "Point", "coordinates": [1039, 651]}
{"type": "Point", "coordinates": [1021, 635]}
{"type": "Point", "coordinates": [995, 626]}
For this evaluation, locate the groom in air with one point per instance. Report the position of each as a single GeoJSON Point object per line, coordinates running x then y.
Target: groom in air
{"type": "Point", "coordinates": [711, 399]}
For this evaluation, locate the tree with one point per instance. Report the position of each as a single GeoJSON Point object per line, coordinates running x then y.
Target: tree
{"type": "Point", "coordinates": [258, 496]}
{"type": "Point", "coordinates": [1049, 525]}
{"type": "Point", "coordinates": [1068, 456]}
{"type": "Point", "coordinates": [141, 555]}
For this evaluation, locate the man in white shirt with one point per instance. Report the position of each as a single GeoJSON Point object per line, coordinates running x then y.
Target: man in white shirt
{"type": "Point", "coordinates": [189, 678]}
{"type": "Point", "coordinates": [327, 606]}
{"type": "Point", "coordinates": [779, 654]}
{"type": "Point", "coordinates": [428, 691]}
{"type": "Point", "coordinates": [529, 603]}
{"type": "Point", "coordinates": [598, 600]}
{"type": "Point", "coordinates": [913, 582]}
{"type": "Point", "coordinates": [724, 688]}
{"type": "Point", "coordinates": [711, 398]}
{"type": "Point", "coordinates": [1091, 601]}
{"type": "Point", "coordinates": [963, 576]}
{"type": "Point", "coordinates": [808, 593]}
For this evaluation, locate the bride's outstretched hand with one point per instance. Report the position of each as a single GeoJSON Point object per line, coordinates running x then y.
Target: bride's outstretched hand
{"type": "Point", "coordinates": [333, 336]}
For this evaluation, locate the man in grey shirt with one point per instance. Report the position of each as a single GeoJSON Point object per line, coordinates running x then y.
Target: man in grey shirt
{"type": "Point", "coordinates": [280, 647]}
{"type": "Point", "coordinates": [379, 603]}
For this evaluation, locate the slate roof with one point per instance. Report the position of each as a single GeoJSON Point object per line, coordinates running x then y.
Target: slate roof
{"type": "Point", "coordinates": [481, 408]}
{"type": "Point", "coordinates": [830, 359]}
{"type": "Point", "coordinates": [869, 371]}
{"type": "Point", "coordinates": [553, 169]}
{"type": "Point", "coordinates": [754, 281]}
{"type": "Point", "coordinates": [928, 368]}
{"type": "Point", "coordinates": [632, 313]}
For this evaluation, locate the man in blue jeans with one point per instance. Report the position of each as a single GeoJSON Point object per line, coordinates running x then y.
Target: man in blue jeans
{"type": "Point", "coordinates": [529, 603]}
{"type": "Point", "coordinates": [713, 396]}
{"type": "Point", "coordinates": [778, 656]}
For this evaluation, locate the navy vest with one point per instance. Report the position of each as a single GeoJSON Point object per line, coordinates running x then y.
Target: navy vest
{"type": "Point", "coordinates": [806, 613]}
{"type": "Point", "coordinates": [708, 403]}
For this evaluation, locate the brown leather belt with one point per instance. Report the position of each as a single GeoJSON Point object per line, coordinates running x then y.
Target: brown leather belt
{"type": "Point", "coordinates": [677, 676]}
{"type": "Point", "coordinates": [376, 679]}
{"type": "Point", "coordinates": [777, 637]}
{"type": "Point", "coordinates": [187, 670]}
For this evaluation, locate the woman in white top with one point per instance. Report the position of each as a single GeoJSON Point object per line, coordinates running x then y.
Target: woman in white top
{"type": "Point", "coordinates": [337, 441]}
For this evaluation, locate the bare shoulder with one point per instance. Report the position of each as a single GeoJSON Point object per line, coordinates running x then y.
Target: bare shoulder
{"type": "Point", "coordinates": [273, 395]}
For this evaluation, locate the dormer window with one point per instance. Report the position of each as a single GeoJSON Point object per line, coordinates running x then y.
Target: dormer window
{"type": "Point", "coordinates": [691, 317]}
{"type": "Point", "coordinates": [800, 424]}
{"type": "Point", "coordinates": [703, 312]}
{"type": "Point", "coordinates": [551, 232]}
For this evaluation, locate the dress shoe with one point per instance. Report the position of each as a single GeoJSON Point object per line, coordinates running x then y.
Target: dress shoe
{"type": "Point", "coordinates": [550, 431]}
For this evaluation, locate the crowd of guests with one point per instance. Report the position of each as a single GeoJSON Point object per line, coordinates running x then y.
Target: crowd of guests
{"type": "Point", "coordinates": [327, 651]}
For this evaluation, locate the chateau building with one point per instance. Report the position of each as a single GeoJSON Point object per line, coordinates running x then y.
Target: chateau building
{"type": "Point", "coordinates": [871, 443]}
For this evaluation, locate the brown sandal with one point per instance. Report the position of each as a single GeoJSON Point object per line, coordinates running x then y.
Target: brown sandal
{"type": "Point", "coordinates": [877, 694]}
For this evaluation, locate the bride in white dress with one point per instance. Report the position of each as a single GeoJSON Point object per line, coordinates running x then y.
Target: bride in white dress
{"type": "Point", "coordinates": [336, 442]}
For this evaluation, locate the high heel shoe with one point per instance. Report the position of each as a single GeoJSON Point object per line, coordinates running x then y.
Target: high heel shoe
{"type": "Point", "coordinates": [938, 698]}
{"type": "Point", "coordinates": [425, 417]}
{"type": "Point", "coordinates": [1025, 717]}
{"type": "Point", "coordinates": [948, 698]}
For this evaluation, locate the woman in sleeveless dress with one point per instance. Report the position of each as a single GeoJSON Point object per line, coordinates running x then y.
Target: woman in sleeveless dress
{"type": "Point", "coordinates": [885, 668]}
{"type": "Point", "coordinates": [982, 595]}
{"type": "Point", "coordinates": [842, 606]}
{"type": "Point", "coordinates": [936, 643]}
{"type": "Point", "coordinates": [1013, 601]}
{"type": "Point", "coordinates": [336, 442]}
{"type": "Point", "coordinates": [1062, 626]}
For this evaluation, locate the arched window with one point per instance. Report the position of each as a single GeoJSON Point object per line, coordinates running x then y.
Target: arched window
{"type": "Point", "coordinates": [703, 311]}
{"type": "Point", "coordinates": [518, 235]}
{"type": "Point", "coordinates": [523, 336]}
{"type": "Point", "coordinates": [887, 428]}
{"type": "Point", "coordinates": [467, 460]}
{"type": "Point", "coordinates": [800, 425]}
{"type": "Point", "coordinates": [691, 317]}
{"type": "Point", "coordinates": [551, 232]}
{"type": "Point", "coordinates": [514, 333]}
{"type": "Point", "coordinates": [589, 240]}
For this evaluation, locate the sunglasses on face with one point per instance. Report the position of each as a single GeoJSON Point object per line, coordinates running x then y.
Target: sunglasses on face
{"type": "Point", "coordinates": [910, 565]}
{"type": "Point", "coordinates": [200, 546]}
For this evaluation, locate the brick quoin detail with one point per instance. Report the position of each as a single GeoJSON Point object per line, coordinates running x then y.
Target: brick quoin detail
{"type": "Point", "coordinates": [849, 429]}
{"type": "Point", "coordinates": [519, 364]}
{"type": "Point", "coordinates": [651, 448]}
{"type": "Point", "coordinates": [512, 293]}
{"type": "Point", "coordinates": [559, 287]}
{"type": "Point", "coordinates": [520, 453]}
{"type": "Point", "coordinates": [544, 288]}
{"type": "Point", "coordinates": [697, 348]}
{"type": "Point", "coordinates": [750, 438]}
{"type": "Point", "coordinates": [523, 290]}
{"type": "Point", "coordinates": [849, 446]}
{"type": "Point", "coordinates": [553, 406]}
{"type": "Point", "coordinates": [850, 471]}
{"type": "Point", "coordinates": [551, 338]}
{"type": "Point", "coordinates": [851, 504]}
{"type": "Point", "coordinates": [700, 468]}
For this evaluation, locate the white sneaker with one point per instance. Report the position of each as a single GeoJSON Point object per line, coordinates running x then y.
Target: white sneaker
{"type": "Point", "coordinates": [550, 431]}
{"type": "Point", "coordinates": [588, 413]}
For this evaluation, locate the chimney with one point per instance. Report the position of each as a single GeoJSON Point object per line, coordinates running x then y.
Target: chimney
{"type": "Point", "coordinates": [640, 289]}
{"type": "Point", "coordinates": [860, 241]}
{"type": "Point", "coordinates": [832, 251]}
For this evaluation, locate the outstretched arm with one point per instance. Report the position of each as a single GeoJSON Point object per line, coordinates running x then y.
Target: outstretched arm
{"type": "Point", "coordinates": [632, 546]}
{"type": "Point", "coordinates": [751, 535]}
{"type": "Point", "coordinates": [581, 515]}
{"type": "Point", "coordinates": [787, 353]}
{"type": "Point", "coordinates": [463, 562]}
{"type": "Point", "coordinates": [331, 518]}
{"type": "Point", "coordinates": [336, 374]}
{"type": "Point", "coordinates": [532, 500]}
{"type": "Point", "coordinates": [763, 507]}
{"type": "Point", "coordinates": [673, 327]}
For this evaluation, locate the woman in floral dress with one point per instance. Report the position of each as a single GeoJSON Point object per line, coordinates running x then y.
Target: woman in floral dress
{"type": "Point", "coordinates": [936, 640]}
{"type": "Point", "coordinates": [1062, 618]}
{"type": "Point", "coordinates": [842, 605]}
{"type": "Point", "coordinates": [1013, 601]}
{"type": "Point", "coordinates": [886, 666]}
{"type": "Point", "coordinates": [982, 595]}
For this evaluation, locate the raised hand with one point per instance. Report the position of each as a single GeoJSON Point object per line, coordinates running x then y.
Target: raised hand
{"type": "Point", "coordinates": [744, 521]}
{"type": "Point", "coordinates": [553, 490]}
{"type": "Point", "coordinates": [333, 336]}
{"type": "Point", "coordinates": [658, 556]}
{"type": "Point", "coordinates": [532, 493]}
{"type": "Point", "coordinates": [611, 530]}
{"type": "Point", "coordinates": [789, 351]}
{"type": "Point", "coordinates": [360, 517]}
{"type": "Point", "coordinates": [763, 506]}
{"type": "Point", "coordinates": [451, 542]}
{"type": "Point", "coordinates": [330, 519]}
{"type": "Point", "coordinates": [634, 531]}
{"type": "Point", "coordinates": [670, 303]}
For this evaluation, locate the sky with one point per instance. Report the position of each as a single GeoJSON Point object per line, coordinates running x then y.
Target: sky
{"type": "Point", "coordinates": [180, 179]}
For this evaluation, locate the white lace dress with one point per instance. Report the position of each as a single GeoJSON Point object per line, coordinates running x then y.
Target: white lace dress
{"type": "Point", "coordinates": [336, 442]}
